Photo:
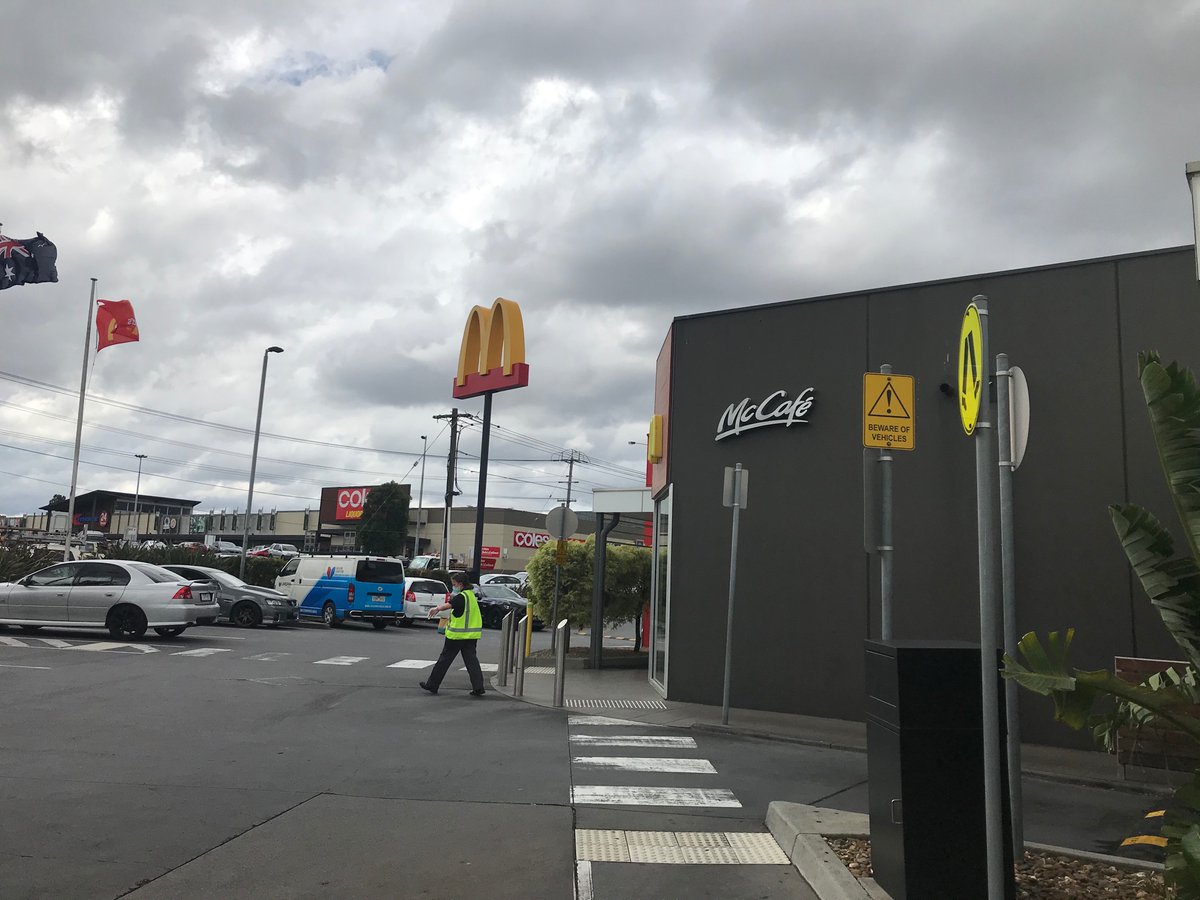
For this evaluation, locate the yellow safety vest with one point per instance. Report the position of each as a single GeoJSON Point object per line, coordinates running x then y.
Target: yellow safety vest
{"type": "Point", "coordinates": [468, 626]}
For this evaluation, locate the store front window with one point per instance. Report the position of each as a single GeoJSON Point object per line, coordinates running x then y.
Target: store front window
{"type": "Point", "coordinates": [660, 593]}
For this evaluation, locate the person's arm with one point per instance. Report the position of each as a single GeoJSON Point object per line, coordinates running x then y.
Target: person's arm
{"type": "Point", "coordinates": [456, 605]}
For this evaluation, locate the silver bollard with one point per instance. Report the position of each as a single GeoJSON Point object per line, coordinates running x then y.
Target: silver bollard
{"type": "Point", "coordinates": [517, 645]}
{"type": "Point", "coordinates": [562, 637]}
{"type": "Point", "coordinates": [505, 637]}
{"type": "Point", "coordinates": [519, 682]}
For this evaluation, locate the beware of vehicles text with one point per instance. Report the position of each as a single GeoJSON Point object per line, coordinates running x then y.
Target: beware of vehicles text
{"type": "Point", "coordinates": [889, 412]}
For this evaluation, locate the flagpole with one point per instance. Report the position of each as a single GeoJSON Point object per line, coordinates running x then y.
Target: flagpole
{"type": "Point", "coordinates": [87, 347]}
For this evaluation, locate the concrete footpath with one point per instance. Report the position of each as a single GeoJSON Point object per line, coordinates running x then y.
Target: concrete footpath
{"type": "Point", "coordinates": [1055, 778]}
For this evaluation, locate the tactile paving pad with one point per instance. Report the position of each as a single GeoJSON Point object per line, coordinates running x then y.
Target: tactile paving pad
{"type": "Point", "coordinates": [601, 846]}
{"type": "Point", "coordinates": [679, 847]}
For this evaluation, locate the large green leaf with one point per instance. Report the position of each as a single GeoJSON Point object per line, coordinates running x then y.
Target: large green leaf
{"type": "Point", "coordinates": [1173, 585]}
{"type": "Point", "coordinates": [1173, 401]}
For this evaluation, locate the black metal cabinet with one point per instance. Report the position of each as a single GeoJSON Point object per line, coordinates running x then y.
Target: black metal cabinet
{"type": "Point", "coordinates": [925, 766]}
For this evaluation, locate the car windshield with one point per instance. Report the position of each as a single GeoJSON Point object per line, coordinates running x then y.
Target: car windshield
{"type": "Point", "coordinates": [157, 573]}
{"type": "Point", "coordinates": [290, 548]}
{"type": "Point", "coordinates": [499, 592]}
{"type": "Point", "coordinates": [380, 571]}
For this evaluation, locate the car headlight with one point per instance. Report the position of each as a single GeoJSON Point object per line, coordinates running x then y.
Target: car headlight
{"type": "Point", "coordinates": [271, 602]}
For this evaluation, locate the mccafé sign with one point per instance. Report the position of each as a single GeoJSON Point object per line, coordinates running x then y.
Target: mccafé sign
{"type": "Point", "coordinates": [777, 408]}
{"type": "Point", "coordinates": [491, 357]}
{"type": "Point", "coordinates": [350, 503]}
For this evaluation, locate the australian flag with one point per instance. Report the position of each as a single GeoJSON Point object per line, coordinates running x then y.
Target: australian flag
{"type": "Point", "coordinates": [27, 262]}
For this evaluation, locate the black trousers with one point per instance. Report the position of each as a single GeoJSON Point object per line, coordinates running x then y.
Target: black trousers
{"type": "Point", "coordinates": [451, 649]}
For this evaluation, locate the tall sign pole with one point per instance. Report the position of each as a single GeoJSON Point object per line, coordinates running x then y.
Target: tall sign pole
{"type": "Point", "coordinates": [974, 409]}
{"type": "Point", "coordinates": [87, 347]}
{"type": "Point", "coordinates": [736, 494]}
{"type": "Point", "coordinates": [491, 359]}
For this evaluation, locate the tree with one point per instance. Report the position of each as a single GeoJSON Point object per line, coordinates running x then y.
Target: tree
{"type": "Point", "coordinates": [626, 582]}
{"type": "Point", "coordinates": [1173, 586]}
{"type": "Point", "coordinates": [383, 528]}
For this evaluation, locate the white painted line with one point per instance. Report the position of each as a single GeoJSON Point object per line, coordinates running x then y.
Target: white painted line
{"type": "Point", "coordinates": [56, 643]}
{"type": "Point", "coordinates": [599, 720]}
{"type": "Point", "coordinates": [634, 740]}
{"type": "Point", "coordinates": [218, 637]}
{"type": "Point", "coordinates": [9, 666]}
{"type": "Point", "coordinates": [646, 764]}
{"type": "Point", "coordinates": [340, 660]}
{"type": "Point", "coordinates": [412, 664]}
{"type": "Point", "coordinates": [12, 642]}
{"type": "Point", "coordinates": [202, 651]}
{"type": "Point", "coordinates": [103, 646]}
{"type": "Point", "coordinates": [583, 880]}
{"type": "Point", "coordinates": [483, 667]}
{"type": "Point", "coordinates": [619, 795]}
{"type": "Point", "coordinates": [274, 656]}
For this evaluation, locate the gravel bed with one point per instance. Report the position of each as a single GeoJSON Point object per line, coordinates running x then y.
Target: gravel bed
{"type": "Point", "coordinates": [1041, 876]}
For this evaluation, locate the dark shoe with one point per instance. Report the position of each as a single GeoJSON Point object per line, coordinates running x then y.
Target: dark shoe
{"type": "Point", "coordinates": [478, 693]}
{"type": "Point", "coordinates": [426, 687]}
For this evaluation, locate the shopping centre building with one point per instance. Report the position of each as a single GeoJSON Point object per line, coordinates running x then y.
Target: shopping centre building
{"type": "Point", "coordinates": [807, 592]}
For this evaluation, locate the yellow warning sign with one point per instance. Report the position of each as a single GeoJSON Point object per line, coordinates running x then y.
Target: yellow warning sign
{"type": "Point", "coordinates": [889, 411]}
{"type": "Point", "coordinates": [972, 374]}
{"type": "Point", "coordinates": [560, 553]}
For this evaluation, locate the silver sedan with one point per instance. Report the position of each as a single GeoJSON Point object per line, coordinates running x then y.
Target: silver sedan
{"type": "Point", "coordinates": [124, 596]}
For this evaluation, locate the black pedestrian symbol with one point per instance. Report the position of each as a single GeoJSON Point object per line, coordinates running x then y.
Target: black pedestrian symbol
{"type": "Point", "coordinates": [970, 385]}
{"type": "Point", "coordinates": [888, 404]}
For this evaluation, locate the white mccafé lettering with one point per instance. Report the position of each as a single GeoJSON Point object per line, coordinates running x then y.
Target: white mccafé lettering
{"type": "Point", "coordinates": [774, 409]}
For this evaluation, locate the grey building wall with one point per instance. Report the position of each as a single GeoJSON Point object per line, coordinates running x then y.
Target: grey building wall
{"type": "Point", "coordinates": [808, 595]}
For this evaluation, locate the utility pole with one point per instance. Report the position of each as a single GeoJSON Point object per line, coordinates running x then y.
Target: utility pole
{"type": "Point", "coordinates": [451, 462]}
{"type": "Point", "coordinates": [570, 457]}
{"type": "Point", "coordinates": [421, 496]}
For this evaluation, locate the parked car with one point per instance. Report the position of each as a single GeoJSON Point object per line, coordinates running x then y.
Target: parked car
{"type": "Point", "coordinates": [226, 549]}
{"type": "Point", "coordinates": [285, 551]}
{"type": "Point", "coordinates": [516, 581]}
{"type": "Point", "coordinates": [336, 588]}
{"type": "Point", "coordinates": [193, 546]}
{"type": "Point", "coordinates": [124, 596]}
{"type": "Point", "coordinates": [421, 595]}
{"type": "Point", "coordinates": [153, 545]}
{"type": "Point", "coordinates": [495, 601]}
{"type": "Point", "coordinates": [243, 604]}
{"type": "Point", "coordinates": [260, 550]}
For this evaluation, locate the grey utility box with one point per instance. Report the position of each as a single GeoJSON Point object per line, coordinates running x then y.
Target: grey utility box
{"type": "Point", "coordinates": [925, 766]}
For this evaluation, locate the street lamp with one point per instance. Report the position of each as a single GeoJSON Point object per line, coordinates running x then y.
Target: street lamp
{"type": "Point", "coordinates": [262, 387]}
{"type": "Point", "coordinates": [1193, 177]}
{"type": "Point", "coordinates": [420, 496]}
{"type": "Point", "coordinates": [137, 496]}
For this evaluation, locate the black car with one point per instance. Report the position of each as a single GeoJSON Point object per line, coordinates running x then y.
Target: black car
{"type": "Point", "coordinates": [496, 601]}
{"type": "Point", "coordinates": [243, 604]}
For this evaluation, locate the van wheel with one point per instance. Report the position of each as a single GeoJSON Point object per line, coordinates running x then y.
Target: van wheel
{"type": "Point", "coordinates": [246, 615]}
{"type": "Point", "coordinates": [329, 615]}
{"type": "Point", "coordinates": [126, 622]}
{"type": "Point", "coordinates": [171, 631]}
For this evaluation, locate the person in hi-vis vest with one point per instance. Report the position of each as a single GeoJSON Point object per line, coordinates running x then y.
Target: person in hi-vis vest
{"type": "Point", "coordinates": [463, 632]}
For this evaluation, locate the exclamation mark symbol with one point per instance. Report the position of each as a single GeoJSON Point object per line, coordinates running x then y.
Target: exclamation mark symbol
{"type": "Point", "coordinates": [889, 399]}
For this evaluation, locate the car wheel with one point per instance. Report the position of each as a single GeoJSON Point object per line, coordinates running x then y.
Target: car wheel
{"type": "Point", "coordinates": [246, 615]}
{"type": "Point", "coordinates": [379, 626]}
{"type": "Point", "coordinates": [126, 622]}
{"type": "Point", "coordinates": [30, 627]}
{"type": "Point", "coordinates": [171, 630]}
{"type": "Point", "coordinates": [329, 615]}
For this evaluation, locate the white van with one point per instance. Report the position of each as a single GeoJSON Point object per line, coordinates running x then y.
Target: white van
{"type": "Point", "coordinates": [336, 588]}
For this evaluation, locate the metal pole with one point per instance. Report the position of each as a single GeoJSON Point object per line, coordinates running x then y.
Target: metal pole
{"type": "Point", "coordinates": [137, 497]}
{"type": "Point", "coordinates": [1008, 583]}
{"type": "Point", "coordinates": [476, 561]}
{"type": "Point", "coordinates": [519, 681]}
{"type": "Point", "coordinates": [262, 388]}
{"type": "Point", "coordinates": [517, 645]}
{"type": "Point", "coordinates": [989, 638]}
{"type": "Point", "coordinates": [421, 496]}
{"type": "Point", "coordinates": [87, 347]}
{"type": "Point", "coordinates": [557, 567]}
{"type": "Point", "coordinates": [560, 661]}
{"type": "Point", "coordinates": [885, 534]}
{"type": "Point", "coordinates": [451, 460]}
{"type": "Point", "coordinates": [505, 637]}
{"type": "Point", "coordinates": [737, 508]}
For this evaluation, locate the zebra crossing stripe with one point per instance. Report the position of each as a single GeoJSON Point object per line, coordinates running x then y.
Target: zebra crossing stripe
{"type": "Point", "coordinates": [634, 740]}
{"type": "Point", "coordinates": [483, 667]}
{"type": "Point", "coordinates": [646, 764]}
{"type": "Point", "coordinates": [412, 664]}
{"type": "Point", "coordinates": [202, 651]}
{"type": "Point", "coordinates": [56, 643]}
{"type": "Point", "coordinates": [627, 795]}
{"type": "Point", "coordinates": [268, 657]}
{"type": "Point", "coordinates": [599, 720]}
{"type": "Point", "coordinates": [340, 660]}
{"type": "Point", "coordinates": [12, 642]}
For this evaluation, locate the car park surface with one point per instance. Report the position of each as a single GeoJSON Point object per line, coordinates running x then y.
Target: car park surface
{"type": "Point", "coordinates": [242, 604]}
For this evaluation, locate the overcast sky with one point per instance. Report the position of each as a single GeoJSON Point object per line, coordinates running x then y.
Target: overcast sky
{"type": "Point", "coordinates": [347, 180]}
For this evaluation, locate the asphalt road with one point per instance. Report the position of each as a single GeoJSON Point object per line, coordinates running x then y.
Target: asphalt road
{"type": "Point", "coordinates": [306, 762]}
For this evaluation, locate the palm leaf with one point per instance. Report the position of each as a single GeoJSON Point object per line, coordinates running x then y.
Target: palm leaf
{"type": "Point", "coordinates": [1173, 401]}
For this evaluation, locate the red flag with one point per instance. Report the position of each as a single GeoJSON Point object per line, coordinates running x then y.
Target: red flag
{"type": "Point", "coordinates": [115, 323]}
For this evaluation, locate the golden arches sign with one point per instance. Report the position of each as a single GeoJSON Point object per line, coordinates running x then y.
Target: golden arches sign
{"type": "Point", "coordinates": [491, 357]}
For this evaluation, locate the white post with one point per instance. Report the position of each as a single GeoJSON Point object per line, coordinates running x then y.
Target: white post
{"type": "Point", "coordinates": [421, 496]}
{"type": "Point", "coordinates": [262, 388]}
{"type": "Point", "coordinates": [137, 497]}
{"type": "Point", "coordinates": [87, 347]}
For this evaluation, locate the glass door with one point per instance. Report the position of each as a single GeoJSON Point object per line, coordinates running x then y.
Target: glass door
{"type": "Point", "coordinates": [660, 593]}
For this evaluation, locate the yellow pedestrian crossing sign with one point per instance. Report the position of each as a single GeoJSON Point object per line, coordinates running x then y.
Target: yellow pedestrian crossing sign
{"type": "Point", "coordinates": [972, 369]}
{"type": "Point", "coordinates": [889, 411]}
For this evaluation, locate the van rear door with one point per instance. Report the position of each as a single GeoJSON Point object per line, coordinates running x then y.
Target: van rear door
{"type": "Point", "coordinates": [379, 588]}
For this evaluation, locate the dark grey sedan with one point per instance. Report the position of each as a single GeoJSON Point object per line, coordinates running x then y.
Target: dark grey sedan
{"type": "Point", "coordinates": [243, 604]}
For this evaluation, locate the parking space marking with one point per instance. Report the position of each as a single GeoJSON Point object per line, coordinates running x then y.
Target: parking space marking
{"type": "Point", "coordinates": [628, 795]}
{"type": "Point", "coordinates": [340, 660]}
{"type": "Point", "coordinates": [12, 642]}
{"type": "Point", "coordinates": [646, 764]}
{"type": "Point", "coordinates": [273, 656]}
{"type": "Point", "coordinates": [202, 651]}
{"type": "Point", "coordinates": [634, 740]}
{"type": "Point", "coordinates": [102, 646]}
{"type": "Point", "coordinates": [56, 643]}
{"type": "Point", "coordinates": [12, 666]}
{"type": "Point", "coordinates": [412, 664]}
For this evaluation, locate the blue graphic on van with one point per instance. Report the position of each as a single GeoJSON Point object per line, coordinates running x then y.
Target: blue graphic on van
{"type": "Point", "coordinates": [373, 593]}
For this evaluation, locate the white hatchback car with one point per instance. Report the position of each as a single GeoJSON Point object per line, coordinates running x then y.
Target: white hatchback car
{"type": "Point", "coordinates": [124, 596]}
